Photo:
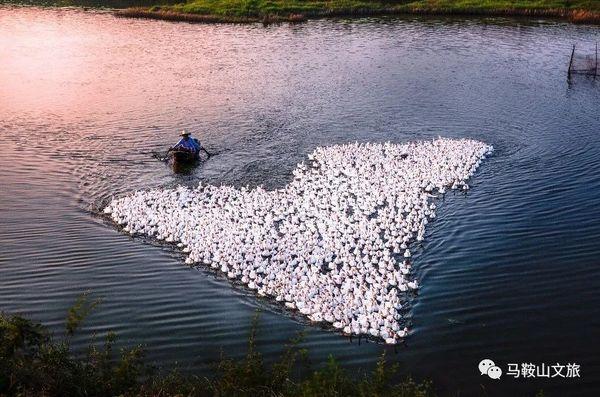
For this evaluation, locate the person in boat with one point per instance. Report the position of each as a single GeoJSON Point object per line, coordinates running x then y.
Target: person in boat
{"type": "Point", "coordinates": [189, 144]}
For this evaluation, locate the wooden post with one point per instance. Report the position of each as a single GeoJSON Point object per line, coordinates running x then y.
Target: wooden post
{"type": "Point", "coordinates": [571, 61]}
{"type": "Point", "coordinates": [596, 71]}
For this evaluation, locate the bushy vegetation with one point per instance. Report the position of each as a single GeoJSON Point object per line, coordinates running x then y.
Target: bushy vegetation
{"type": "Point", "coordinates": [508, 4]}
{"type": "Point", "coordinates": [34, 363]}
{"type": "Point", "coordinates": [258, 8]}
{"type": "Point", "coordinates": [316, 7]}
{"type": "Point", "coordinates": [584, 11]}
{"type": "Point", "coordinates": [210, 11]}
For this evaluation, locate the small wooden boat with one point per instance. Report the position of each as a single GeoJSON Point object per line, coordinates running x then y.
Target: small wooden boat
{"type": "Point", "coordinates": [184, 156]}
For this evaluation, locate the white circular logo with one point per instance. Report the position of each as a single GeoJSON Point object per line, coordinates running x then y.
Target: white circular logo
{"type": "Point", "coordinates": [489, 368]}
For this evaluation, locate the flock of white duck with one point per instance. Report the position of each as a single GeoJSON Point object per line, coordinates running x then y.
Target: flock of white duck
{"type": "Point", "coordinates": [333, 244]}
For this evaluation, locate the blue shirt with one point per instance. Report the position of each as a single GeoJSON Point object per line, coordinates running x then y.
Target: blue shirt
{"type": "Point", "coordinates": [188, 143]}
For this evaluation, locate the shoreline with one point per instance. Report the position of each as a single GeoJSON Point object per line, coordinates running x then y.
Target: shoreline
{"type": "Point", "coordinates": [577, 16]}
{"type": "Point", "coordinates": [236, 16]}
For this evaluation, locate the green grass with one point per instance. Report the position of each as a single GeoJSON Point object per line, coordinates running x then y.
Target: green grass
{"type": "Point", "coordinates": [262, 7]}
{"type": "Point", "coordinates": [210, 11]}
{"type": "Point", "coordinates": [259, 8]}
{"type": "Point", "coordinates": [590, 5]}
{"type": "Point", "coordinates": [295, 10]}
{"type": "Point", "coordinates": [34, 363]}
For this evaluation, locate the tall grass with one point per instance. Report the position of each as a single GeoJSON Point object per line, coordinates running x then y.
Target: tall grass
{"type": "Point", "coordinates": [34, 363]}
{"type": "Point", "coordinates": [269, 11]}
{"type": "Point", "coordinates": [580, 11]}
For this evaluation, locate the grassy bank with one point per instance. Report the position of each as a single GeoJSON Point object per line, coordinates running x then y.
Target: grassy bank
{"type": "Point", "coordinates": [34, 363]}
{"type": "Point", "coordinates": [577, 11]}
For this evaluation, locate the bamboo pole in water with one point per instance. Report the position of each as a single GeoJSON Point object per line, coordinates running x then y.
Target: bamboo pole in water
{"type": "Point", "coordinates": [571, 61]}
{"type": "Point", "coordinates": [596, 71]}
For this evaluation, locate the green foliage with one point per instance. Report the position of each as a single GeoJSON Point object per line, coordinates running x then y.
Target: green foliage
{"type": "Point", "coordinates": [79, 312]}
{"type": "Point", "coordinates": [261, 8]}
{"type": "Point", "coordinates": [334, 381]}
{"type": "Point", "coordinates": [216, 11]}
{"type": "Point", "coordinates": [506, 4]}
{"type": "Point", "coordinates": [33, 363]}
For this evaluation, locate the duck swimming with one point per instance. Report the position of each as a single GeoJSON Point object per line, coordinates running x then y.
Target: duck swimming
{"type": "Point", "coordinates": [334, 244]}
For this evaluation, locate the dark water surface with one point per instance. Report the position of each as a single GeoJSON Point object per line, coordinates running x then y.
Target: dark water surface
{"type": "Point", "coordinates": [510, 271]}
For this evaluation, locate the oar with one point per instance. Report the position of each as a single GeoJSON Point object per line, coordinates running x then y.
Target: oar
{"type": "Point", "coordinates": [161, 156]}
{"type": "Point", "coordinates": [206, 151]}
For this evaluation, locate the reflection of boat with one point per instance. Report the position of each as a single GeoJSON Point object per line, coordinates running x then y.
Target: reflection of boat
{"type": "Point", "coordinates": [184, 156]}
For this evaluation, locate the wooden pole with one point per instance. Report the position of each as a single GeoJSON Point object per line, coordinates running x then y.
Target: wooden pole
{"type": "Point", "coordinates": [596, 71]}
{"type": "Point", "coordinates": [571, 61]}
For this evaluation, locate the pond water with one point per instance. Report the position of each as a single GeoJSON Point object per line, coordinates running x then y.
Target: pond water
{"type": "Point", "coordinates": [509, 271]}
